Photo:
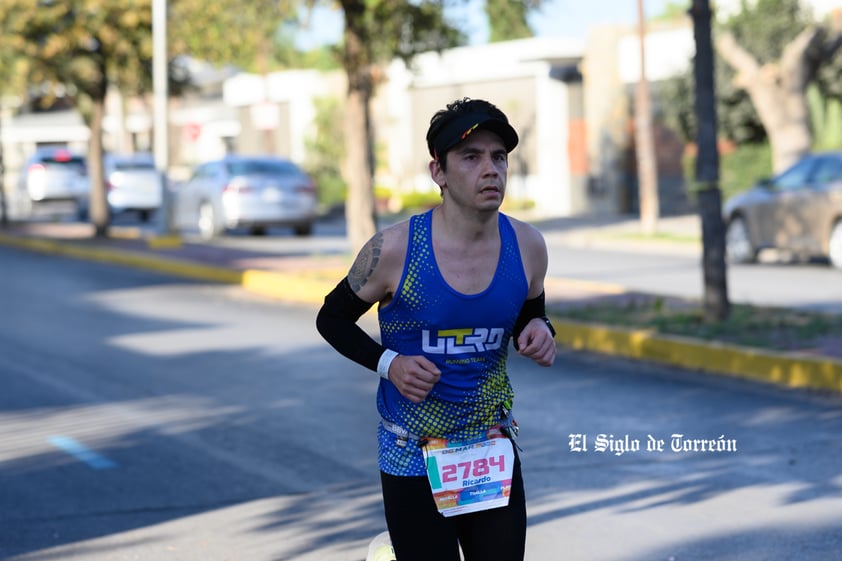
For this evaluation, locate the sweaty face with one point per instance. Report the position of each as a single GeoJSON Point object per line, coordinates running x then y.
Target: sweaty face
{"type": "Point", "coordinates": [476, 171]}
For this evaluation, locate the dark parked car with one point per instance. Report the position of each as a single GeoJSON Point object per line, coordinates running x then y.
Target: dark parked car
{"type": "Point", "coordinates": [254, 192]}
{"type": "Point", "coordinates": [799, 211]}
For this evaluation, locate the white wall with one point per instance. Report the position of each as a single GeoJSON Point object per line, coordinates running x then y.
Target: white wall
{"type": "Point", "coordinates": [298, 88]}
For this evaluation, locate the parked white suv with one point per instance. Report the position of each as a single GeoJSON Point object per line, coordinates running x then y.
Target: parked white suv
{"type": "Point", "coordinates": [55, 174]}
{"type": "Point", "coordinates": [133, 184]}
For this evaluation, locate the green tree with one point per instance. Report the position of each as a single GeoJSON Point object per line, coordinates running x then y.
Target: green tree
{"type": "Point", "coordinates": [507, 19]}
{"type": "Point", "coordinates": [228, 32]}
{"type": "Point", "coordinates": [83, 45]}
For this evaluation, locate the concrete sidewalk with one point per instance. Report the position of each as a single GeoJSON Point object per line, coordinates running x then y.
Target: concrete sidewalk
{"type": "Point", "coordinates": [299, 277]}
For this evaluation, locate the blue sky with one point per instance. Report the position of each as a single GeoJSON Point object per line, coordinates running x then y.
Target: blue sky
{"type": "Point", "coordinates": [573, 18]}
{"type": "Point", "coordinates": [557, 18]}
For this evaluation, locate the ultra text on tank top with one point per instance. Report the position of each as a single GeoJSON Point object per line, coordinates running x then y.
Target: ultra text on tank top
{"type": "Point", "coordinates": [465, 335]}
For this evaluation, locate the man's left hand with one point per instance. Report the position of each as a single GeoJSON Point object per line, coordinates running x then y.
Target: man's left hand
{"type": "Point", "coordinates": [536, 342]}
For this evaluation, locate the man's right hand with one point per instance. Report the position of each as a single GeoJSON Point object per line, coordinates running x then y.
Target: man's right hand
{"type": "Point", "coordinates": [414, 376]}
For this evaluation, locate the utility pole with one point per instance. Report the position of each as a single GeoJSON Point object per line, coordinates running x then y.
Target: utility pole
{"type": "Point", "coordinates": [160, 110]}
{"type": "Point", "coordinates": [647, 167]}
{"type": "Point", "coordinates": [716, 304]}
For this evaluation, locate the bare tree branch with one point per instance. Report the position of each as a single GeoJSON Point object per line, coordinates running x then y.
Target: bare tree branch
{"type": "Point", "coordinates": [746, 65]}
{"type": "Point", "coordinates": [797, 68]}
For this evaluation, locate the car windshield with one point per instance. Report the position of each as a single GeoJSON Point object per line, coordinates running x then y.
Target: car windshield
{"type": "Point", "coordinates": [829, 170]}
{"type": "Point", "coordinates": [797, 176]}
{"type": "Point", "coordinates": [262, 167]}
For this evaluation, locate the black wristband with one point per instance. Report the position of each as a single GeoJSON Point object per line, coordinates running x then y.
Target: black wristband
{"type": "Point", "coordinates": [549, 324]}
{"type": "Point", "coordinates": [532, 308]}
{"type": "Point", "coordinates": [337, 323]}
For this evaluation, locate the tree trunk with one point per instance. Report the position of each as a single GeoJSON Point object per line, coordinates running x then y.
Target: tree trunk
{"type": "Point", "coordinates": [97, 201]}
{"type": "Point", "coordinates": [647, 168]}
{"type": "Point", "coordinates": [359, 206]}
{"type": "Point", "coordinates": [716, 304]}
{"type": "Point", "coordinates": [98, 205]}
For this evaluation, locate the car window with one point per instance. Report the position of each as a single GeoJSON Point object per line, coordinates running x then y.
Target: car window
{"type": "Point", "coordinates": [795, 177]}
{"type": "Point", "coordinates": [262, 167]}
{"type": "Point", "coordinates": [828, 170]}
{"type": "Point", "coordinates": [70, 163]}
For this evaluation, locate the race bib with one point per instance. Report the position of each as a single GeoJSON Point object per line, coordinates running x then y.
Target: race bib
{"type": "Point", "coordinates": [469, 477]}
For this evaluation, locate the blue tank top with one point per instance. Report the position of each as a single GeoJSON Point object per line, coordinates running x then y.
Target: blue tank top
{"type": "Point", "coordinates": [465, 335]}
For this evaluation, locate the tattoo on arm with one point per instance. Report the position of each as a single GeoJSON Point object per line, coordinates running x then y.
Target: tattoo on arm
{"type": "Point", "coordinates": [365, 262]}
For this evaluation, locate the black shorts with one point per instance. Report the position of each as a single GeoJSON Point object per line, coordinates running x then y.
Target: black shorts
{"type": "Point", "coordinates": [420, 533]}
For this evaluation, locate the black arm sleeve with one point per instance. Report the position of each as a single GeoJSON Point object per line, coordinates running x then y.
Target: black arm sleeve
{"type": "Point", "coordinates": [337, 323]}
{"type": "Point", "coordinates": [534, 308]}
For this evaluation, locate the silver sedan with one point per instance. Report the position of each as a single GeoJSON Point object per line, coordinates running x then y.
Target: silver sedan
{"type": "Point", "coordinates": [254, 192]}
{"type": "Point", "coordinates": [798, 211]}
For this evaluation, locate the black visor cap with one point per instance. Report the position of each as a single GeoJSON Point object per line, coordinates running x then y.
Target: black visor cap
{"type": "Point", "coordinates": [462, 126]}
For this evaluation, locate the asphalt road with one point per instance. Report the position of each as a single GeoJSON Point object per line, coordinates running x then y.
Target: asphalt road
{"type": "Point", "coordinates": [144, 417]}
{"type": "Point", "coordinates": [644, 268]}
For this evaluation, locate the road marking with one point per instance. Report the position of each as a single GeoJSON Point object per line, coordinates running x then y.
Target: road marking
{"type": "Point", "coordinates": [81, 452]}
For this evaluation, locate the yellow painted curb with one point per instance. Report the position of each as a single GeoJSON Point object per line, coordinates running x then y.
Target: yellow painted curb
{"type": "Point", "coordinates": [795, 370]}
{"type": "Point", "coordinates": [153, 241]}
{"type": "Point", "coordinates": [104, 255]}
{"type": "Point", "coordinates": [163, 242]}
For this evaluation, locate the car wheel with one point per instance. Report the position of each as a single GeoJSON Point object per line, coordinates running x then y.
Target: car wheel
{"type": "Point", "coordinates": [257, 230]}
{"type": "Point", "coordinates": [738, 246]}
{"type": "Point", "coordinates": [835, 245]}
{"type": "Point", "coordinates": [207, 221]}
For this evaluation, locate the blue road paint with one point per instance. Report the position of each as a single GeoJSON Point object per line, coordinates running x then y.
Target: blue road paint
{"type": "Point", "coordinates": [81, 452]}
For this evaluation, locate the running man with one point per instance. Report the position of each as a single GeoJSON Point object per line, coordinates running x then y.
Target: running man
{"type": "Point", "coordinates": [453, 286]}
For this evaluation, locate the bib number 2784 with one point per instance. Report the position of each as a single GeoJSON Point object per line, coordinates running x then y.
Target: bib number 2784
{"type": "Point", "coordinates": [471, 477]}
{"type": "Point", "coordinates": [478, 468]}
